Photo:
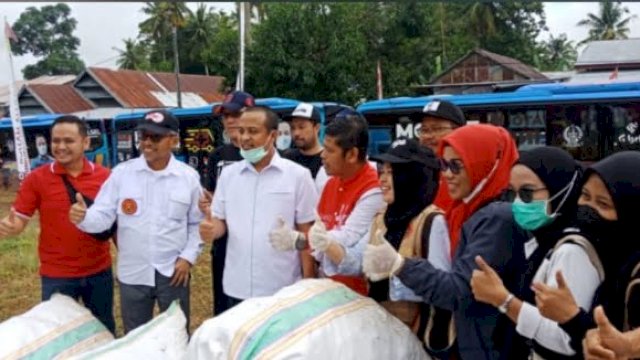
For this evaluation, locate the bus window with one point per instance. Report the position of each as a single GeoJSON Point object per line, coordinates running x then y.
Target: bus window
{"type": "Point", "coordinates": [528, 126]}
{"type": "Point", "coordinates": [626, 127]}
{"type": "Point", "coordinates": [575, 128]}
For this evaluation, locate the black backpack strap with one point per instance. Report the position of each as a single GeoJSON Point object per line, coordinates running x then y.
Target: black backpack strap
{"type": "Point", "coordinates": [71, 191]}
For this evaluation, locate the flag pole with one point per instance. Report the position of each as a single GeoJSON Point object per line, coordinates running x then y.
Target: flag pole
{"type": "Point", "coordinates": [22, 155]}
{"type": "Point", "coordinates": [240, 81]}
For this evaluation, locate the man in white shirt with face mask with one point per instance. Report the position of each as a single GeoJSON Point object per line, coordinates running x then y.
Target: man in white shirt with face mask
{"type": "Point", "coordinates": [254, 197]}
{"type": "Point", "coordinates": [43, 153]}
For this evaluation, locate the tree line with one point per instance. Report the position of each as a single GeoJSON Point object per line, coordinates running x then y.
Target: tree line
{"type": "Point", "coordinates": [315, 51]}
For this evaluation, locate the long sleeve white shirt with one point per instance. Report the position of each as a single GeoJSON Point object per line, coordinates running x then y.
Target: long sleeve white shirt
{"type": "Point", "coordinates": [583, 280]}
{"type": "Point", "coordinates": [157, 215]}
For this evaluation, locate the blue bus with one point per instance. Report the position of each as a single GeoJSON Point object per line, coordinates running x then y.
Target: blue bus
{"type": "Point", "coordinates": [200, 130]}
{"type": "Point", "coordinates": [39, 126]}
{"type": "Point", "coordinates": [589, 121]}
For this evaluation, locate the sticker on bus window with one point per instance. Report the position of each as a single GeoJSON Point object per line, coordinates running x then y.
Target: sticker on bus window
{"type": "Point", "coordinates": [573, 135]}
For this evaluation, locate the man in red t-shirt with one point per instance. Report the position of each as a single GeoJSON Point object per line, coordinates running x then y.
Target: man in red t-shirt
{"type": "Point", "coordinates": [71, 262]}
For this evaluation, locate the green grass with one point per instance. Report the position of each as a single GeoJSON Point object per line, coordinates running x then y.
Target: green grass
{"type": "Point", "coordinates": [21, 282]}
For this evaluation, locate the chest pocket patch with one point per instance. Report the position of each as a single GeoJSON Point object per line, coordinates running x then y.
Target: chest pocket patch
{"type": "Point", "coordinates": [179, 203]}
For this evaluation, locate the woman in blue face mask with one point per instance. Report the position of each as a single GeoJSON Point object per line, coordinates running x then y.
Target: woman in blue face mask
{"type": "Point", "coordinates": [543, 188]}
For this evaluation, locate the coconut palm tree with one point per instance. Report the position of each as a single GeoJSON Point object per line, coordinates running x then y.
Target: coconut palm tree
{"type": "Point", "coordinates": [559, 53]}
{"type": "Point", "coordinates": [609, 24]}
{"type": "Point", "coordinates": [482, 19]}
{"type": "Point", "coordinates": [200, 28]}
{"type": "Point", "coordinates": [133, 57]}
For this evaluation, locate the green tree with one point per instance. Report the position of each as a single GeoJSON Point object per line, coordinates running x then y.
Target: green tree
{"type": "Point", "coordinates": [199, 29]}
{"type": "Point", "coordinates": [133, 57]}
{"type": "Point", "coordinates": [222, 52]}
{"type": "Point", "coordinates": [47, 33]}
{"type": "Point", "coordinates": [609, 24]}
{"type": "Point", "coordinates": [558, 54]}
{"type": "Point", "coordinates": [164, 18]}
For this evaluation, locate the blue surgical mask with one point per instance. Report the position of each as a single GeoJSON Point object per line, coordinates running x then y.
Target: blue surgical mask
{"type": "Point", "coordinates": [532, 215]}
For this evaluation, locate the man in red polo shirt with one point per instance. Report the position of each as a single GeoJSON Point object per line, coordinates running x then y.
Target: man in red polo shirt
{"type": "Point", "coordinates": [71, 262]}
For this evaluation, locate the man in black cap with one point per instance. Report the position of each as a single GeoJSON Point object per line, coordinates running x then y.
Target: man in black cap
{"type": "Point", "coordinates": [154, 199]}
{"type": "Point", "coordinates": [439, 118]}
{"type": "Point", "coordinates": [305, 127]}
{"type": "Point", "coordinates": [223, 155]}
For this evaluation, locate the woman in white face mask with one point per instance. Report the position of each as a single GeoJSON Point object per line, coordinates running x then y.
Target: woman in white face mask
{"type": "Point", "coordinates": [544, 188]}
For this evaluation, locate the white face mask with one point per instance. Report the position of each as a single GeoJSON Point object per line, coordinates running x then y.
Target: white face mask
{"type": "Point", "coordinates": [283, 142]}
{"type": "Point", "coordinates": [42, 149]}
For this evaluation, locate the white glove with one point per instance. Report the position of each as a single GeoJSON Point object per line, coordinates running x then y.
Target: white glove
{"type": "Point", "coordinates": [282, 238]}
{"type": "Point", "coordinates": [319, 238]}
{"type": "Point", "coordinates": [381, 261]}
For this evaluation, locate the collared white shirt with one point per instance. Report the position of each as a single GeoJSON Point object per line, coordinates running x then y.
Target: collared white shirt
{"type": "Point", "coordinates": [250, 204]}
{"type": "Point", "coordinates": [157, 214]}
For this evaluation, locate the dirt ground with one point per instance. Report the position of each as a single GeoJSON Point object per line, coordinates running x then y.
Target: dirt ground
{"type": "Point", "coordinates": [21, 282]}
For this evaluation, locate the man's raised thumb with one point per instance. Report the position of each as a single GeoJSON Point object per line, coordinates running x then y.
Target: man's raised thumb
{"type": "Point", "coordinates": [207, 215]}
{"type": "Point", "coordinates": [80, 200]}
{"type": "Point", "coordinates": [482, 265]}
{"type": "Point", "coordinates": [601, 319]}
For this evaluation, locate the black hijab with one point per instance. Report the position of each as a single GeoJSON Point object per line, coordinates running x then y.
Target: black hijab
{"type": "Point", "coordinates": [557, 170]}
{"type": "Point", "coordinates": [620, 174]}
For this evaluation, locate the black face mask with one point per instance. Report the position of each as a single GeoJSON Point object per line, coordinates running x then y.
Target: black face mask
{"type": "Point", "coordinates": [592, 223]}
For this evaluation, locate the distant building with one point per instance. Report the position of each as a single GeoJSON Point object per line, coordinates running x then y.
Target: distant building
{"type": "Point", "coordinates": [608, 61]}
{"type": "Point", "coordinates": [481, 71]}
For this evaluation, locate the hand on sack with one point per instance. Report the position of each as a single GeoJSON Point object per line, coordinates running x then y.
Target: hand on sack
{"type": "Point", "coordinates": [282, 238]}
{"type": "Point", "coordinates": [381, 261]}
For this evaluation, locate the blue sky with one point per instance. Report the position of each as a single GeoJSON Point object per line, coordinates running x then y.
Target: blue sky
{"type": "Point", "coordinates": [102, 26]}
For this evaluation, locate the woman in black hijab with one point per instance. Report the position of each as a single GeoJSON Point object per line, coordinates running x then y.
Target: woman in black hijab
{"type": "Point", "coordinates": [543, 189]}
{"type": "Point", "coordinates": [613, 227]}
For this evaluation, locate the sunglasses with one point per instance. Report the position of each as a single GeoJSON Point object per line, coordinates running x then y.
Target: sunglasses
{"type": "Point", "coordinates": [156, 138]}
{"type": "Point", "coordinates": [524, 194]}
{"type": "Point", "coordinates": [455, 165]}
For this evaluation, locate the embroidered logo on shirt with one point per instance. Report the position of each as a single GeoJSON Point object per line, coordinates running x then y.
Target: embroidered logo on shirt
{"type": "Point", "coordinates": [129, 206]}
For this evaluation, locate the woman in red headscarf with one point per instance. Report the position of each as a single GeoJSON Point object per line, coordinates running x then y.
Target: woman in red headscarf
{"type": "Point", "coordinates": [476, 161]}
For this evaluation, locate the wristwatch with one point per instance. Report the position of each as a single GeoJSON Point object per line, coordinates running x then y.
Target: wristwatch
{"type": "Point", "coordinates": [301, 242]}
{"type": "Point", "coordinates": [505, 305]}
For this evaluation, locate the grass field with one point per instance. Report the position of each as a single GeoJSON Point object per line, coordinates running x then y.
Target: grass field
{"type": "Point", "coordinates": [21, 282]}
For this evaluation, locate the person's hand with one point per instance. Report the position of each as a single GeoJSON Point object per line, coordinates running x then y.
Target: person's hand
{"type": "Point", "coordinates": [181, 273]}
{"type": "Point", "coordinates": [207, 227]}
{"type": "Point", "coordinates": [558, 303]}
{"type": "Point", "coordinates": [282, 238]}
{"type": "Point", "coordinates": [605, 342]}
{"type": "Point", "coordinates": [78, 210]}
{"type": "Point", "coordinates": [319, 238]}
{"type": "Point", "coordinates": [204, 203]}
{"type": "Point", "coordinates": [487, 285]}
{"type": "Point", "coordinates": [9, 225]}
{"type": "Point", "coordinates": [381, 261]}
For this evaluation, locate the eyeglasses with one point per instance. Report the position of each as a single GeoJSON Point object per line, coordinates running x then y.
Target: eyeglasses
{"type": "Point", "coordinates": [524, 194]}
{"type": "Point", "coordinates": [434, 130]}
{"type": "Point", "coordinates": [455, 165]}
{"type": "Point", "coordinates": [156, 138]}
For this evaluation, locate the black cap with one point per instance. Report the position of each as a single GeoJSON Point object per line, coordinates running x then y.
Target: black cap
{"type": "Point", "coordinates": [404, 151]}
{"type": "Point", "coordinates": [305, 111]}
{"type": "Point", "coordinates": [159, 122]}
{"type": "Point", "coordinates": [443, 109]}
{"type": "Point", "coordinates": [234, 102]}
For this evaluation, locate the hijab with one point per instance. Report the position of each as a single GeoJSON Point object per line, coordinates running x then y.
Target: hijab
{"type": "Point", "coordinates": [487, 152]}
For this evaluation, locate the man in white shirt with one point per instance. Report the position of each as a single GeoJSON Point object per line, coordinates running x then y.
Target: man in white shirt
{"type": "Point", "coordinates": [253, 197]}
{"type": "Point", "coordinates": [154, 199]}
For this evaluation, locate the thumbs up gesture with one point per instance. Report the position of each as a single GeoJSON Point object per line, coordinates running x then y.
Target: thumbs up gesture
{"type": "Point", "coordinates": [204, 203]}
{"type": "Point", "coordinates": [381, 260]}
{"type": "Point", "coordinates": [486, 284]}
{"type": "Point", "coordinates": [319, 238]}
{"type": "Point", "coordinates": [558, 303]}
{"type": "Point", "coordinates": [78, 210]}
{"type": "Point", "coordinates": [606, 342]}
{"type": "Point", "coordinates": [208, 227]}
{"type": "Point", "coordinates": [282, 238]}
{"type": "Point", "coordinates": [10, 225]}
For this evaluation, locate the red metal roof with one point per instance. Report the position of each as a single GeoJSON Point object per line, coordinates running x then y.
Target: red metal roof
{"type": "Point", "coordinates": [60, 99]}
{"type": "Point", "coordinates": [133, 88]}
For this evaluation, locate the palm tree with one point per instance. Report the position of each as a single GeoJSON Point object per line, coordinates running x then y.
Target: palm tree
{"type": "Point", "coordinates": [609, 24]}
{"type": "Point", "coordinates": [133, 57]}
{"type": "Point", "coordinates": [163, 17]}
{"type": "Point", "coordinates": [482, 20]}
{"type": "Point", "coordinates": [199, 30]}
{"type": "Point", "coordinates": [559, 53]}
